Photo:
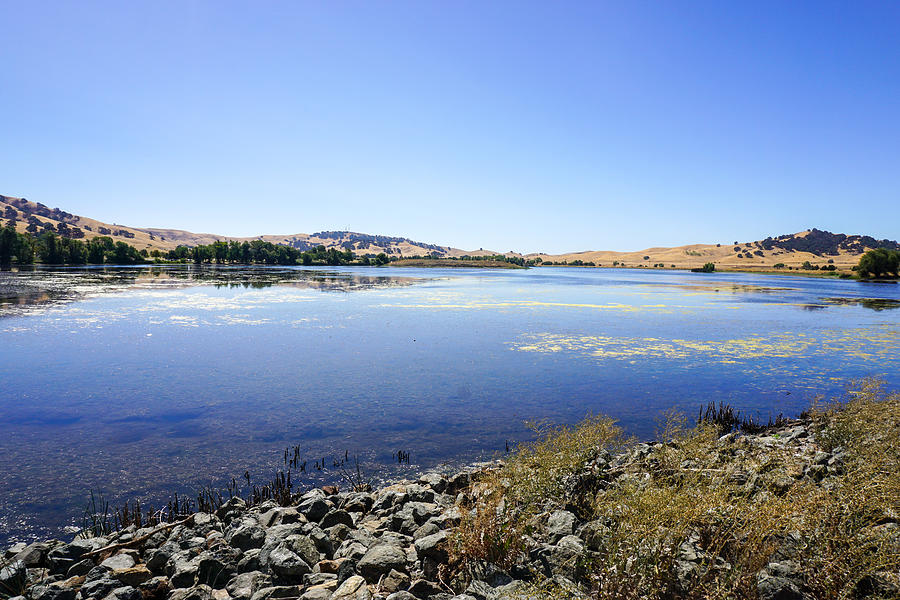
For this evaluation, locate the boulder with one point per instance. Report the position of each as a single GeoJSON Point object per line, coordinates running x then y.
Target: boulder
{"type": "Point", "coordinates": [560, 524]}
{"type": "Point", "coordinates": [354, 588]}
{"type": "Point", "coordinates": [380, 560]}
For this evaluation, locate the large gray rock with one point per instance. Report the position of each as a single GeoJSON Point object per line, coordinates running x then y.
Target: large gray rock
{"type": "Point", "coordinates": [560, 524]}
{"type": "Point", "coordinates": [200, 592]}
{"type": "Point", "coordinates": [243, 586]}
{"type": "Point", "coordinates": [35, 555]}
{"type": "Point", "coordinates": [354, 588]}
{"type": "Point", "coordinates": [433, 546]}
{"type": "Point", "coordinates": [99, 588]}
{"type": "Point", "coordinates": [380, 560]}
{"type": "Point", "coordinates": [124, 593]}
{"type": "Point", "coordinates": [119, 561]}
{"type": "Point", "coordinates": [285, 591]}
{"type": "Point", "coordinates": [183, 572]}
{"type": "Point", "coordinates": [315, 507]}
{"type": "Point", "coordinates": [246, 536]}
{"type": "Point", "coordinates": [335, 517]}
{"type": "Point", "coordinates": [287, 564]}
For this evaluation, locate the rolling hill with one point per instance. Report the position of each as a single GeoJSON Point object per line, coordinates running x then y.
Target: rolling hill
{"type": "Point", "coordinates": [813, 245]}
{"type": "Point", "coordinates": [35, 217]}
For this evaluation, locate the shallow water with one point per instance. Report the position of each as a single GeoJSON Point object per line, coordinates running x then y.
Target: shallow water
{"type": "Point", "coordinates": [139, 382]}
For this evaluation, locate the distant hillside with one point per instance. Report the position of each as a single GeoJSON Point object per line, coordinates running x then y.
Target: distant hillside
{"type": "Point", "coordinates": [35, 217]}
{"type": "Point", "coordinates": [817, 247]}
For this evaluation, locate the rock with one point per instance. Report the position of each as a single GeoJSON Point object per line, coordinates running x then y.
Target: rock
{"type": "Point", "coordinates": [560, 523]}
{"type": "Point", "coordinates": [458, 483]}
{"type": "Point", "coordinates": [124, 593]}
{"type": "Point", "coordinates": [250, 561]}
{"type": "Point", "coordinates": [359, 502]}
{"type": "Point", "coordinates": [53, 592]}
{"type": "Point", "coordinates": [395, 581]}
{"type": "Point", "coordinates": [435, 481]}
{"type": "Point", "coordinates": [281, 516]}
{"type": "Point", "coordinates": [243, 586]}
{"type": "Point", "coordinates": [425, 530]}
{"type": "Point", "coordinates": [315, 508]}
{"type": "Point", "coordinates": [321, 579]}
{"type": "Point", "coordinates": [433, 546]}
{"type": "Point", "coordinates": [200, 592]}
{"type": "Point", "coordinates": [481, 591]}
{"type": "Point", "coordinates": [34, 555]}
{"type": "Point", "coordinates": [350, 549]}
{"type": "Point", "coordinates": [424, 589]}
{"type": "Point", "coordinates": [183, 572]}
{"type": "Point", "coordinates": [82, 567]}
{"type": "Point", "coordinates": [317, 592]}
{"type": "Point", "coordinates": [418, 493]}
{"type": "Point", "coordinates": [327, 566]}
{"type": "Point", "coordinates": [134, 576]}
{"type": "Point", "coordinates": [157, 559]}
{"type": "Point", "coordinates": [380, 560]}
{"type": "Point", "coordinates": [246, 536]}
{"type": "Point", "coordinates": [402, 595]}
{"type": "Point", "coordinates": [303, 547]}
{"type": "Point", "coordinates": [118, 562]}
{"type": "Point", "coordinates": [156, 588]}
{"type": "Point", "coordinates": [777, 588]}
{"type": "Point", "coordinates": [387, 500]}
{"type": "Point", "coordinates": [234, 506]}
{"type": "Point", "coordinates": [346, 570]}
{"type": "Point", "coordinates": [61, 558]}
{"type": "Point", "coordinates": [216, 568]}
{"type": "Point", "coordinates": [354, 588]}
{"type": "Point", "coordinates": [287, 564]}
{"type": "Point", "coordinates": [13, 578]}
{"type": "Point", "coordinates": [336, 516]}
{"type": "Point", "coordinates": [99, 588]}
{"type": "Point", "coordinates": [287, 591]}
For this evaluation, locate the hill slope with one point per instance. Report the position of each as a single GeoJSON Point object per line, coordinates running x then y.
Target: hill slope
{"type": "Point", "coordinates": [817, 247]}
{"type": "Point", "coordinates": [35, 217]}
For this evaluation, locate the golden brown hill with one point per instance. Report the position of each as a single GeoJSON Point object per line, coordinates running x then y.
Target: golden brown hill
{"type": "Point", "coordinates": [820, 248]}
{"type": "Point", "coordinates": [35, 217]}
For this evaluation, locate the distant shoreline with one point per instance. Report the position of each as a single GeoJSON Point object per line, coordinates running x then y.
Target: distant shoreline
{"type": "Point", "coordinates": [452, 263]}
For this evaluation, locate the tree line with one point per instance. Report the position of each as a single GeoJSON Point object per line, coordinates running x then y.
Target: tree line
{"type": "Point", "coordinates": [49, 248]}
{"type": "Point", "coordinates": [266, 253]}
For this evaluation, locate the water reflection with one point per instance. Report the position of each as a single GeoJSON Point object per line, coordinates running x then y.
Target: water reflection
{"type": "Point", "coordinates": [41, 286]}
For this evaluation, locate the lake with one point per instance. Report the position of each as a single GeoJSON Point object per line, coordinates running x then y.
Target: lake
{"type": "Point", "coordinates": [139, 382]}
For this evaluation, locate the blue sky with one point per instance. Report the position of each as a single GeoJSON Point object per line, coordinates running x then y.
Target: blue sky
{"type": "Point", "coordinates": [551, 126]}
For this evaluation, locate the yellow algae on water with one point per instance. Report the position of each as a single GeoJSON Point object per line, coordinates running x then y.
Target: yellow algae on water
{"type": "Point", "coordinates": [860, 344]}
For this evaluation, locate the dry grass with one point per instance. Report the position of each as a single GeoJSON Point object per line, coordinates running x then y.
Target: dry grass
{"type": "Point", "coordinates": [736, 503]}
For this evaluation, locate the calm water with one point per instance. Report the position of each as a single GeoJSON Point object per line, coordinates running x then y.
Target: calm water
{"type": "Point", "coordinates": [144, 381]}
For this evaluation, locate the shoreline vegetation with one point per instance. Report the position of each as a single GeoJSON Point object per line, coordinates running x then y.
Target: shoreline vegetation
{"type": "Point", "coordinates": [720, 506]}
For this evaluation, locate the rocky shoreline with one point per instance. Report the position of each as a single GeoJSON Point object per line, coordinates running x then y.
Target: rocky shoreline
{"type": "Point", "coordinates": [400, 542]}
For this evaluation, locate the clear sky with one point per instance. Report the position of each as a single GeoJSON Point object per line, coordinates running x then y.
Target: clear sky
{"type": "Point", "coordinates": [552, 126]}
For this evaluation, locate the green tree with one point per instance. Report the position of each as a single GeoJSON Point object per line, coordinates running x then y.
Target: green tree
{"type": "Point", "coordinates": [879, 262]}
{"type": "Point", "coordinates": [9, 243]}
